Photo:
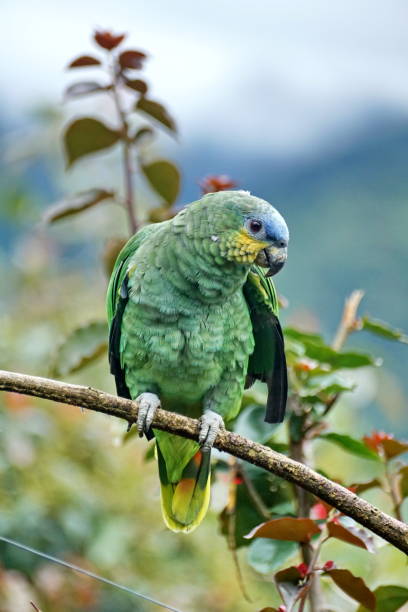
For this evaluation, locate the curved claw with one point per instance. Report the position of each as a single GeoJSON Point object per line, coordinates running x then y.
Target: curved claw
{"type": "Point", "coordinates": [210, 424]}
{"type": "Point", "coordinates": [147, 405]}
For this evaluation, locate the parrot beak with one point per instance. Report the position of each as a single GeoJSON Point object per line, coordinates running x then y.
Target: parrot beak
{"type": "Point", "coordinates": [273, 258]}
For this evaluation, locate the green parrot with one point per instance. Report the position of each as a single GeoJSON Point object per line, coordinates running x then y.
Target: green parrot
{"type": "Point", "coordinates": [193, 319]}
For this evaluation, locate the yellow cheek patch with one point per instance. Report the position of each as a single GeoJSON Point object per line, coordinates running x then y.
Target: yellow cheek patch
{"type": "Point", "coordinates": [241, 247]}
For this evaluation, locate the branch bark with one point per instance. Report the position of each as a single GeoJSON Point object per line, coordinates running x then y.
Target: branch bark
{"type": "Point", "coordinates": [390, 529]}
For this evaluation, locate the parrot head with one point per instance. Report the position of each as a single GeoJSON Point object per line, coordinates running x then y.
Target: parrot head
{"type": "Point", "coordinates": [249, 229]}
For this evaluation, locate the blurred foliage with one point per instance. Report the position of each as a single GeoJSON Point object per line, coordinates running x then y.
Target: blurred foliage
{"type": "Point", "coordinates": [77, 486]}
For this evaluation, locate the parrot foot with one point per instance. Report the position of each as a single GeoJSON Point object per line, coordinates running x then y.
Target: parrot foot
{"type": "Point", "coordinates": [147, 404]}
{"type": "Point", "coordinates": [210, 424]}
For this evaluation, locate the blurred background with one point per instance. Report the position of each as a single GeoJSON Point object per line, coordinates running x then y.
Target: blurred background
{"type": "Point", "coordinates": [305, 105]}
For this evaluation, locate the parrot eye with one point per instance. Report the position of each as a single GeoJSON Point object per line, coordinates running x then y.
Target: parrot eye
{"type": "Point", "coordinates": [255, 226]}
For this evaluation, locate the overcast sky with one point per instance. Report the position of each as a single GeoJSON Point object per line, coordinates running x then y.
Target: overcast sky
{"type": "Point", "coordinates": [279, 75]}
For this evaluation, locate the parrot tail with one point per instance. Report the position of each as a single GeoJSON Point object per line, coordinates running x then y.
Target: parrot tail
{"type": "Point", "coordinates": [185, 503]}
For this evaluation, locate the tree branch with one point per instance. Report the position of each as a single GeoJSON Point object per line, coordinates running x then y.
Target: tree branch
{"type": "Point", "coordinates": [390, 529]}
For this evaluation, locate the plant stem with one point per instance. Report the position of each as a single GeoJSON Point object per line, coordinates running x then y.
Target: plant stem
{"type": "Point", "coordinates": [127, 162]}
{"type": "Point", "coordinates": [231, 517]}
{"type": "Point", "coordinates": [303, 501]}
{"type": "Point", "coordinates": [392, 491]}
{"type": "Point", "coordinates": [348, 320]}
{"type": "Point", "coordinates": [348, 323]}
{"type": "Point", "coordinates": [254, 495]}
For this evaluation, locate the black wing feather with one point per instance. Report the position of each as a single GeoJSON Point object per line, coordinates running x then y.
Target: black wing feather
{"type": "Point", "coordinates": [114, 341]}
{"type": "Point", "coordinates": [268, 362]}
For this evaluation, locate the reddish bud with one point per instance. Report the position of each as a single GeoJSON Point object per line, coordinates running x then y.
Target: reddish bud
{"type": "Point", "coordinates": [238, 480]}
{"type": "Point", "coordinates": [107, 40]}
{"type": "Point", "coordinates": [303, 569]}
{"type": "Point", "coordinates": [282, 609]}
{"type": "Point", "coordinates": [328, 566]}
{"type": "Point", "coordinates": [306, 365]}
{"type": "Point", "coordinates": [216, 182]}
{"type": "Point", "coordinates": [319, 511]}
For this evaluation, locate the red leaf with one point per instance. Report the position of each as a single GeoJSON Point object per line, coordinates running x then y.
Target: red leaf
{"type": "Point", "coordinates": [353, 586]}
{"type": "Point", "coordinates": [218, 182]}
{"type": "Point", "coordinates": [374, 441]}
{"type": "Point", "coordinates": [385, 444]}
{"type": "Point", "coordinates": [360, 487]}
{"type": "Point", "coordinates": [137, 85]}
{"type": "Point", "coordinates": [291, 586]}
{"type": "Point", "coordinates": [350, 534]}
{"type": "Point", "coordinates": [76, 204]}
{"type": "Point", "coordinates": [393, 447]}
{"type": "Point", "coordinates": [84, 60]}
{"type": "Point", "coordinates": [107, 40]}
{"type": "Point", "coordinates": [293, 529]}
{"type": "Point", "coordinates": [132, 59]}
{"type": "Point", "coordinates": [402, 480]}
{"type": "Point", "coordinates": [83, 88]}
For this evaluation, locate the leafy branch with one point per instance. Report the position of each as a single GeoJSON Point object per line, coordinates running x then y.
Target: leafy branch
{"type": "Point", "coordinates": [390, 529]}
{"type": "Point", "coordinates": [88, 135]}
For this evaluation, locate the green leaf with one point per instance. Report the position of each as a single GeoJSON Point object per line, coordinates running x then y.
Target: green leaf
{"type": "Point", "coordinates": [352, 445]}
{"type": "Point", "coordinates": [87, 135]}
{"type": "Point", "coordinates": [156, 111]}
{"type": "Point", "coordinates": [353, 586]}
{"type": "Point", "coordinates": [315, 348]}
{"type": "Point", "coordinates": [164, 178]}
{"type": "Point", "coordinates": [266, 555]}
{"type": "Point", "coordinates": [337, 360]}
{"type": "Point", "coordinates": [143, 134]}
{"type": "Point", "coordinates": [383, 329]}
{"type": "Point", "coordinates": [390, 598]}
{"type": "Point", "coordinates": [320, 387]}
{"type": "Point", "coordinates": [75, 204]}
{"type": "Point", "coordinates": [250, 424]}
{"type": "Point", "coordinates": [81, 347]}
{"type": "Point", "coordinates": [137, 85]}
{"type": "Point", "coordinates": [270, 489]}
{"type": "Point", "coordinates": [287, 528]}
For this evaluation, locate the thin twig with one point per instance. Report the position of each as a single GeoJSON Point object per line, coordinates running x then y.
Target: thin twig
{"type": "Point", "coordinates": [393, 531]}
{"type": "Point", "coordinates": [127, 162]}
{"type": "Point", "coordinates": [254, 495]}
{"type": "Point", "coordinates": [231, 512]}
{"type": "Point", "coordinates": [392, 491]}
{"type": "Point", "coordinates": [348, 320]}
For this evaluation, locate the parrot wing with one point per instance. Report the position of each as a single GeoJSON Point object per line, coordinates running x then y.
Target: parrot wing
{"type": "Point", "coordinates": [117, 298]}
{"type": "Point", "coordinates": [267, 362]}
